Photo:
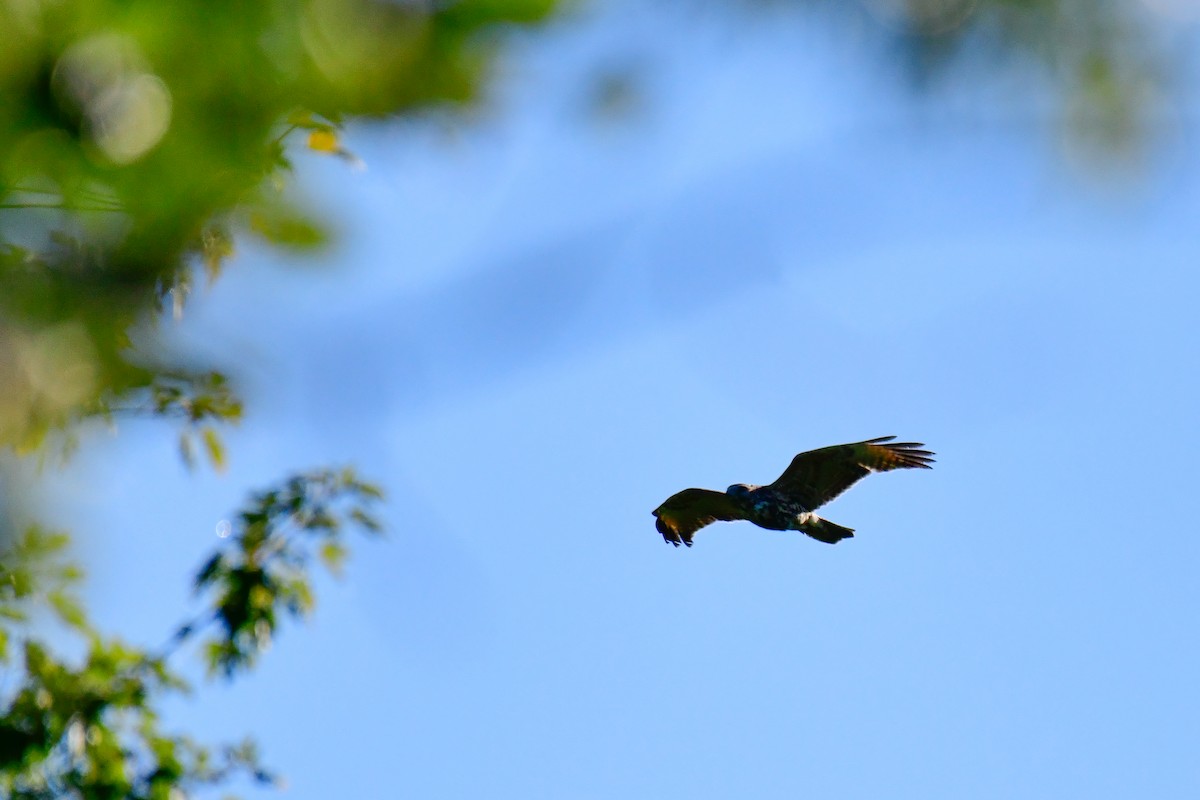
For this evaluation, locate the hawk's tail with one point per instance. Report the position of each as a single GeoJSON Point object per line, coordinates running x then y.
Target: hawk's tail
{"type": "Point", "coordinates": [825, 531]}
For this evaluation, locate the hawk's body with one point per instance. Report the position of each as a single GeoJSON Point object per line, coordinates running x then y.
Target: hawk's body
{"type": "Point", "coordinates": [811, 480]}
{"type": "Point", "coordinates": [770, 509]}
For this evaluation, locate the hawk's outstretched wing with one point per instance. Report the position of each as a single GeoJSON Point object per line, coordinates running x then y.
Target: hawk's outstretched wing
{"type": "Point", "coordinates": [816, 477]}
{"type": "Point", "coordinates": [686, 512]}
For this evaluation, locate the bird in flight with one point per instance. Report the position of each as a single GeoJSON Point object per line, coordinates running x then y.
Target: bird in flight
{"type": "Point", "coordinates": [789, 504]}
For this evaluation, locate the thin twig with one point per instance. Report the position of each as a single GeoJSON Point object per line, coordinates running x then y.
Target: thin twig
{"type": "Point", "coordinates": [65, 206]}
{"type": "Point", "coordinates": [279, 139]}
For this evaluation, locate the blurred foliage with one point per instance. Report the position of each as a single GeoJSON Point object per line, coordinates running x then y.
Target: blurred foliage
{"type": "Point", "coordinates": [139, 139]}
{"type": "Point", "coordinates": [266, 570]}
{"type": "Point", "coordinates": [1102, 67]}
{"type": "Point", "coordinates": [1102, 55]}
{"type": "Point", "coordinates": [89, 728]}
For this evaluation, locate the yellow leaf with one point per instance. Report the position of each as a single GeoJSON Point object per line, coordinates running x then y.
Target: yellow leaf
{"type": "Point", "coordinates": [324, 141]}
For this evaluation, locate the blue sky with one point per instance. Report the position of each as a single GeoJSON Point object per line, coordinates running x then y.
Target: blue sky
{"type": "Point", "coordinates": [537, 327]}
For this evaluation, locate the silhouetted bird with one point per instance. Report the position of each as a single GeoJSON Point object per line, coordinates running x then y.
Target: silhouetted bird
{"type": "Point", "coordinates": [810, 481]}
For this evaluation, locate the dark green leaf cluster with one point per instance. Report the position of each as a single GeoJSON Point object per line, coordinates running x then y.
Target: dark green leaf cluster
{"type": "Point", "coordinates": [202, 400]}
{"type": "Point", "coordinates": [265, 572]}
{"type": "Point", "coordinates": [91, 730]}
{"type": "Point", "coordinates": [35, 575]}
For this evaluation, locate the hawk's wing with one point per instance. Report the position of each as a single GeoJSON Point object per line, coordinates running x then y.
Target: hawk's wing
{"type": "Point", "coordinates": [686, 512]}
{"type": "Point", "coordinates": [816, 477]}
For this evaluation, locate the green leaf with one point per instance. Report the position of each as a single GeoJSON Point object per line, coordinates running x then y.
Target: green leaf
{"type": "Point", "coordinates": [214, 447]}
{"type": "Point", "coordinates": [300, 599]}
{"type": "Point", "coordinates": [333, 556]}
{"type": "Point", "coordinates": [68, 610]}
{"type": "Point", "coordinates": [369, 490]}
{"type": "Point", "coordinates": [70, 573]}
{"type": "Point", "coordinates": [48, 542]}
{"type": "Point", "coordinates": [366, 520]}
{"type": "Point", "coordinates": [208, 573]}
{"type": "Point", "coordinates": [261, 598]}
{"type": "Point", "coordinates": [187, 450]}
{"type": "Point", "coordinates": [287, 228]}
{"type": "Point", "coordinates": [216, 246]}
{"type": "Point", "coordinates": [301, 119]}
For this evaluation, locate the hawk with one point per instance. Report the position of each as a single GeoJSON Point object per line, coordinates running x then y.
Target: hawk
{"type": "Point", "coordinates": [810, 481]}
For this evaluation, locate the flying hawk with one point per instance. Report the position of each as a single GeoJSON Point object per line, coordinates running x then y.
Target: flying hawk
{"type": "Point", "coordinates": [810, 481]}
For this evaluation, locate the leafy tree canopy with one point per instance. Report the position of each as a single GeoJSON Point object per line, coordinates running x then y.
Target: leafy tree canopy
{"type": "Point", "coordinates": [137, 138]}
